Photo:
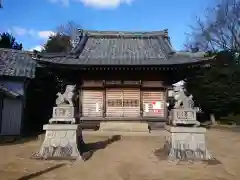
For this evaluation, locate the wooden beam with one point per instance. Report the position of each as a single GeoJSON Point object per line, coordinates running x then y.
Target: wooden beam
{"type": "Point", "coordinates": [152, 84]}
{"type": "Point", "coordinates": [92, 83]}
{"type": "Point", "coordinates": [131, 82]}
{"type": "Point", "coordinates": [118, 82]}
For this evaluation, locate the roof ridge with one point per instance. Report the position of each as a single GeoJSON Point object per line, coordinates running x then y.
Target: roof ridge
{"type": "Point", "coordinates": [95, 33]}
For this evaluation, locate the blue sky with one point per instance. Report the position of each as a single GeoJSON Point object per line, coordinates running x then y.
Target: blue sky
{"type": "Point", "coordinates": [31, 21]}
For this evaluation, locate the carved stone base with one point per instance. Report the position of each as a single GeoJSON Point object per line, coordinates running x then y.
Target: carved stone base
{"type": "Point", "coordinates": [185, 116]}
{"type": "Point", "coordinates": [63, 113]}
{"type": "Point", "coordinates": [61, 141]}
{"type": "Point", "coordinates": [186, 143]}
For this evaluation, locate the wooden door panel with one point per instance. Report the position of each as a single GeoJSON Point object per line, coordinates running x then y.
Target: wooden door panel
{"type": "Point", "coordinates": [150, 97]}
{"type": "Point", "coordinates": [92, 103]}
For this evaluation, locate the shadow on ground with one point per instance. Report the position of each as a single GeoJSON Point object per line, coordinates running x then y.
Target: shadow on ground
{"type": "Point", "coordinates": [34, 175]}
{"type": "Point", "coordinates": [88, 149]}
{"type": "Point", "coordinates": [13, 140]}
{"type": "Point", "coordinates": [161, 153]}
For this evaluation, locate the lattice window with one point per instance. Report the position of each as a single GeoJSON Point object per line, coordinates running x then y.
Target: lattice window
{"type": "Point", "coordinates": [123, 103]}
{"type": "Point", "coordinates": [130, 103]}
{"type": "Point", "coordinates": [114, 103]}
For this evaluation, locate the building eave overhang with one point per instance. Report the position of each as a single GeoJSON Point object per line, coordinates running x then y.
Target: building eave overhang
{"type": "Point", "coordinates": [207, 62]}
{"type": "Point", "coordinates": [9, 93]}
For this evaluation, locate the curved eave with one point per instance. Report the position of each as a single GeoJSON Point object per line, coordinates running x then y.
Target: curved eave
{"type": "Point", "coordinates": [9, 93]}
{"type": "Point", "coordinates": [205, 62]}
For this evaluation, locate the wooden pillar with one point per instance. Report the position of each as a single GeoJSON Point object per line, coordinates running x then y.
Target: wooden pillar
{"type": "Point", "coordinates": [80, 91]}
{"type": "Point", "coordinates": [141, 99]}
{"type": "Point", "coordinates": [165, 104]}
{"type": "Point", "coordinates": [104, 102]}
{"type": "Point", "coordinates": [141, 103]}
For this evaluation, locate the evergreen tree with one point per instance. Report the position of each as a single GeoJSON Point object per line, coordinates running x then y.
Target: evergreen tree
{"type": "Point", "coordinates": [9, 42]}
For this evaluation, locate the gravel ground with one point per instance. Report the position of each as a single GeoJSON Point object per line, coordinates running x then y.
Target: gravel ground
{"type": "Point", "coordinates": [131, 158]}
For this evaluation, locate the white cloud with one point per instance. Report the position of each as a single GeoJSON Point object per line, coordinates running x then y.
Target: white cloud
{"type": "Point", "coordinates": [31, 32]}
{"type": "Point", "coordinates": [38, 48]}
{"type": "Point", "coordinates": [96, 3]}
{"type": "Point", "coordinates": [45, 34]}
{"type": "Point", "coordinates": [19, 31]}
{"type": "Point", "coordinates": [104, 3]}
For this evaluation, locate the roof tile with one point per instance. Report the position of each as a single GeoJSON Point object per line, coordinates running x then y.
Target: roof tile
{"type": "Point", "coordinates": [122, 48]}
{"type": "Point", "coordinates": [17, 63]}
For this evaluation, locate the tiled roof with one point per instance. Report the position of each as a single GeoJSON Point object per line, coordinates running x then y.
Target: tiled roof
{"type": "Point", "coordinates": [122, 48]}
{"type": "Point", "coordinates": [17, 63]}
{"type": "Point", "coordinates": [102, 48]}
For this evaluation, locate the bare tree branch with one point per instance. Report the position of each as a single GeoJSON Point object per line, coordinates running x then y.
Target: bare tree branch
{"type": "Point", "coordinates": [219, 29]}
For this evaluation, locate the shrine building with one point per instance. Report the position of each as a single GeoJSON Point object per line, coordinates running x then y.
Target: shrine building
{"type": "Point", "coordinates": [122, 76]}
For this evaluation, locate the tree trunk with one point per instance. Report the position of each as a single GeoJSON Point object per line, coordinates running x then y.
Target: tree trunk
{"type": "Point", "coordinates": [212, 118]}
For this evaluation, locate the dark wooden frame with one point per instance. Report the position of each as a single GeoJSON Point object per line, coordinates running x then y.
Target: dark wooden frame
{"type": "Point", "coordinates": [121, 84]}
{"type": "Point", "coordinates": [25, 86]}
{"type": "Point", "coordinates": [1, 109]}
{"type": "Point", "coordinates": [126, 77]}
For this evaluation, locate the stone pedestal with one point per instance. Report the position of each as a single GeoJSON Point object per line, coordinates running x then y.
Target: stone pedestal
{"type": "Point", "coordinates": [186, 143]}
{"type": "Point", "coordinates": [63, 113]}
{"type": "Point", "coordinates": [185, 116]}
{"type": "Point", "coordinates": [61, 141]}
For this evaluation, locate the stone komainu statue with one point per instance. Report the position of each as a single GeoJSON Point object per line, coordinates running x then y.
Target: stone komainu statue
{"type": "Point", "coordinates": [182, 100]}
{"type": "Point", "coordinates": [66, 97]}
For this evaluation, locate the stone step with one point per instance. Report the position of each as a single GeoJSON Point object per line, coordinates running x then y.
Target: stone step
{"type": "Point", "coordinates": [124, 126]}
{"type": "Point", "coordinates": [154, 133]}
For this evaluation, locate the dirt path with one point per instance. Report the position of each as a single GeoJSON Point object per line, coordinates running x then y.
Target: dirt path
{"type": "Point", "coordinates": [131, 158]}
